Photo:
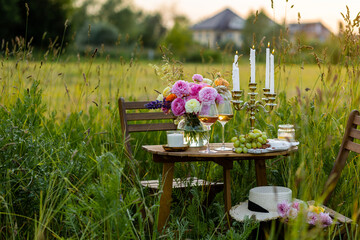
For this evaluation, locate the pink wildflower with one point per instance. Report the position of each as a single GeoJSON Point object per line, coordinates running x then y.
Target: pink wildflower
{"type": "Point", "coordinates": [312, 218]}
{"type": "Point", "coordinates": [178, 106]}
{"type": "Point", "coordinates": [283, 208]}
{"type": "Point", "coordinates": [296, 205]}
{"type": "Point", "coordinates": [197, 78]}
{"type": "Point", "coordinates": [208, 94]}
{"type": "Point", "coordinates": [181, 88]}
{"type": "Point", "coordinates": [325, 219]}
{"type": "Point", "coordinates": [292, 213]}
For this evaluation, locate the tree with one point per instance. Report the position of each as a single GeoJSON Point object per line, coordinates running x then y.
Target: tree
{"type": "Point", "coordinates": [179, 38]}
{"type": "Point", "coordinates": [41, 18]}
{"type": "Point", "coordinates": [152, 30]}
{"type": "Point", "coordinates": [258, 26]}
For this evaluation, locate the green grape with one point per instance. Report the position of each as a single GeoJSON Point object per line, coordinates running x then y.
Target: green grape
{"type": "Point", "coordinates": [234, 139]}
{"type": "Point", "coordinates": [248, 145]}
{"type": "Point", "coordinates": [264, 137]}
{"type": "Point", "coordinates": [245, 150]}
{"type": "Point", "coordinates": [253, 145]}
{"type": "Point", "coordinates": [236, 143]}
{"type": "Point", "coordinates": [242, 145]}
{"type": "Point", "coordinates": [259, 145]}
{"type": "Point", "coordinates": [257, 131]}
{"type": "Point", "coordinates": [242, 140]}
{"type": "Point", "coordinates": [251, 135]}
{"type": "Point", "coordinates": [242, 136]}
{"type": "Point", "coordinates": [260, 139]}
{"type": "Point", "coordinates": [238, 150]}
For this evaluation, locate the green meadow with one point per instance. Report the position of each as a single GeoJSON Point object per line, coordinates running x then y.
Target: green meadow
{"type": "Point", "coordinates": [64, 174]}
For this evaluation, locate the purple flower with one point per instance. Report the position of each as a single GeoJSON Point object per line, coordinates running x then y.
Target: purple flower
{"type": "Point", "coordinates": [283, 208]}
{"type": "Point", "coordinates": [296, 205]}
{"type": "Point", "coordinates": [312, 218]}
{"type": "Point", "coordinates": [325, 219]}
{"type": "Point", "coordinates": [219, 99]}
{"type": "Point", "coordinates": [208, 94]}
{"type": "Point", "coordinates": [194, 89]}
{"type": "Point", "coordinates": [178, 106]}
{"type": "Point", "coordinates": [181, 89]}
{"type": "Point", "coordinates": [197, 78]}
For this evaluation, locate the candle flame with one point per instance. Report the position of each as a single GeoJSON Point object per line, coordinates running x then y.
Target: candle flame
{"type": "Point", "coordinates": [268, 44]}
{"type": "Point", "coordinates": [237, 53]}
{"type": "Point", "coordinates": [253, 47]}
{"type": "Point", "coordinates": [273, 51]}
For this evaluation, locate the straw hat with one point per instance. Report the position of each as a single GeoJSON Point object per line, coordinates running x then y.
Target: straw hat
{"type": "Point", "coordinates": [262, 203]}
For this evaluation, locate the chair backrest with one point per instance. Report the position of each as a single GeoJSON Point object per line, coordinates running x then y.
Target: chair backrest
{"type": "Point", "coordinates": [126, 119]}
{"type": "Point", "coordinates": [347, 145]}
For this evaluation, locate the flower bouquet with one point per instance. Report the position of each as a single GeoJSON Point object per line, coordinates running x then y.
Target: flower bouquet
{"type": "Point", "coordinates": [183, 99]}
{"type": "Point", "coordinates": [315, 215]}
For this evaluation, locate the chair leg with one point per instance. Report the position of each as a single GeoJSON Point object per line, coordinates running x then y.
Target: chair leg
{"type": "Point", "coordinates": [165, 199]}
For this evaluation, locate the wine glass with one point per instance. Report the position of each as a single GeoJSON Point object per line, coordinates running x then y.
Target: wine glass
{"type": "Point", "coordinates": [225, 115]}
{"type": "Point", "coordinates": [208, 115]}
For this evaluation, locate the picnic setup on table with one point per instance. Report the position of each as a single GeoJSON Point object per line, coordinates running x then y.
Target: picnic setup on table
{"type": "Point", "coordinates": [192, 107]}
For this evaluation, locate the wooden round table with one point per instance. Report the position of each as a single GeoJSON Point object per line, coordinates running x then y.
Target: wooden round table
{"type": "Point", "coordinates": [223, 158]}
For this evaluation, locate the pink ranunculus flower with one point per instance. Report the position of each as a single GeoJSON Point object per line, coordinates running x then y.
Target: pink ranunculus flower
{"type": "Point", "coordinates": [283, 209]}
{"type": "Point", "coordinates": [192, 97]}
{"type": "Point", "coordinates": [197, 78]}
{"type": "Point", "coordinates": [178, 106]}
{"type": "Point", "coordinates": [208, 94]}
{"type": "Point", "coordinates": [312, 218]}
{"type": "Point", "coordinates": [219, 99]}
{"type": "Point", "coordinates": [194, 89]}
{"type": "Point", "coordinates": [181, 88]}
{"type": "Point", "coordinates": [325, 219]}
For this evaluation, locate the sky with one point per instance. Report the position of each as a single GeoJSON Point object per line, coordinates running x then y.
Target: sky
{"type": "Point", "coordinates": [326, 11]}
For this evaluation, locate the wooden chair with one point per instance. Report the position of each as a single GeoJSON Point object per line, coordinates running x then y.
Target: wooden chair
{"type": "Point", "coordinates": [347, 145]}
{"type": "Point", "coordinates": [127, 128]}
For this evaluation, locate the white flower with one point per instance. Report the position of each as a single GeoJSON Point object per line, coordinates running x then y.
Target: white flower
{"type": "Point", "coordinates": [192, 106]}
{"type": "Point", "coordinates": [166, 92]}
{"type": "Point", "coordinates": [292, 213]}
{"type": "Point", "coordinates": [160, 97]}
{"type": "Point", "coordinates": [207, 81]}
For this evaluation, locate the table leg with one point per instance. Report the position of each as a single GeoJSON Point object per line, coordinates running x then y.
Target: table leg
{"type": "Point", "coordinates": [165, 199]}
{"type": "Point", "coordinates": [260, 169]}
{"type": "Point", "coordinates": [227, 189]}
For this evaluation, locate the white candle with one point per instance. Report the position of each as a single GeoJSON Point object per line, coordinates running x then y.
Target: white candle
{"type": "Point", "coordinates": [272, 72]}
{"type": "Point", "coordinates": [252, 64]}
{"type": "Point", "coordinates": [235, 74]}
{"type": "Point", "coordinates": [175, 139]}
{"type": "Point", "coordinates": [267, 71]}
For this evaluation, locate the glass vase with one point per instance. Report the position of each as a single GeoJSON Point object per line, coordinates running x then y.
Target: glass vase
{"type": "Point", "coordinates": [194, 132]}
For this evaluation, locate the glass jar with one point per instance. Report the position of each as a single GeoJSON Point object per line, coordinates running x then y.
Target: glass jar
{"type": "Point", "coordinates": [194, 132]}
{"type": "Point", "coordinates": [286, 132]}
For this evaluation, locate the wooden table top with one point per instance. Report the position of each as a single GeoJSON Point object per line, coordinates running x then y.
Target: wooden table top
{"type": "Point", "coordinates": [194, 152]}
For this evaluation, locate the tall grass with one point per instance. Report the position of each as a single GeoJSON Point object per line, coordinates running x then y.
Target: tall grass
{"type": "Point", "coordinates": [64, 173]}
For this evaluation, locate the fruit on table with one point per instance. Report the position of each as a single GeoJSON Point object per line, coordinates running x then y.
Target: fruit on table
{"type": "Point", "coordinates": [252, 140]}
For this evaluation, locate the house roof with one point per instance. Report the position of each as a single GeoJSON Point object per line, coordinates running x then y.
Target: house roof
{"type": "Point", "coordinates": [225, 20]}
{"type": "Point", "coordinates": [307, 27]}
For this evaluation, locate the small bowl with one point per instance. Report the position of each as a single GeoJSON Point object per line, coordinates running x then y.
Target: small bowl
{"type": "Point", "coordinates": [175, 149]}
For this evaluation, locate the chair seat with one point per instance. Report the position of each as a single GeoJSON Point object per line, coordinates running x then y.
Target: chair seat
{"type": "Point", "coordinates": [182, 183]}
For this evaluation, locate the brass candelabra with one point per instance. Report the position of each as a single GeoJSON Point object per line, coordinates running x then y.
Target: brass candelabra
{"type": "Point", "coordinates": [252, 105]}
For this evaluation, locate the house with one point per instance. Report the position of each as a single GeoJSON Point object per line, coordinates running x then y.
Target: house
{"type": "Point", "coordinates": [313, 30]}
{"type": "Point", "coordinates": [225, 26]}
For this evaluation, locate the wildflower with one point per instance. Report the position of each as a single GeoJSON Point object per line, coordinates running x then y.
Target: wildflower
{"type": "Point", "coordinates": [312, 218]}
{"type": "Point", "coordinates": [292, 213]}
{"type": "Point", "coordinates": [325, 219]}
{"type": "Point", "coordinates": [283, 209]}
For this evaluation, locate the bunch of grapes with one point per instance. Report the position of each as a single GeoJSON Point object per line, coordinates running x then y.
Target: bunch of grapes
{"type": "Point", "coordinates": [255, 139]}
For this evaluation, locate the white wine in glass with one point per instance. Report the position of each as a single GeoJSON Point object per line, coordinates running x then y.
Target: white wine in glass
{"type": "Point", "coordinates": [225, 115]}
{"type": "Point", "coordinates": [208, 115]}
